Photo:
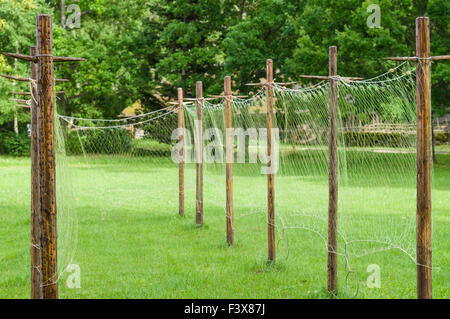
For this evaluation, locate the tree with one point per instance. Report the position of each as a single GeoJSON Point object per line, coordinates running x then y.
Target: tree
{"type": "Point", "coordinates": [118, 39]}
{"type": "Point", "coordinates": [190, 40]}
{"type": "Point", "coordinates": [17, 33]}
{"type": "Point", "coordinates": [266, 31]}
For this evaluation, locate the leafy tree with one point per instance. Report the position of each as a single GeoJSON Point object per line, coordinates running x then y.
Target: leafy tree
{"type": "Point", "coordinates": [266, 31]}
{"type": "Point", "coordinates": [144, 49]}
{"type": "Point", "coordinates": [118, 40]}
{"type": "Point", "coordinates": [191, 34]}
{"type": "Point", "coordinates": [17, 34]}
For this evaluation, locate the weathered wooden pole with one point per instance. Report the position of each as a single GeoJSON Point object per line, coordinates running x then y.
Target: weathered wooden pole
{"type": "Point", "coordinates": [16, 123]}
{"type": "Point", "coordinates": [423, 112]}
{"type": "Point", "coordinates": [36, 290]}
{"type": "Point", "coordinates": [131, 130]}
{"type": "Point", "coordinates": [47, 195]}
{"type": "Point", "coordinates": [229, 160]}
{"type": "Point", "coordinates": [270, 175]}
{"type": "Point", "coordinates": [181, 152]}
{"type": "Point", "coordinates": [199, 154]}
{"type": "Point", "coordinates": [423, 109]}
{"type": "Point", "coordinates": [332, 172]}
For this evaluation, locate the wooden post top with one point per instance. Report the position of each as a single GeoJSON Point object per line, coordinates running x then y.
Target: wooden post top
{"type": "Point", "coordinates": [422, 25]}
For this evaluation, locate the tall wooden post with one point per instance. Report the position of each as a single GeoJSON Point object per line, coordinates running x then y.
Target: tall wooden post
{"type": "Point", "coordinates": [16, 121]}
{"type": "Point", "coordinates": [181, 152]}
{"type": "Point", "coordinates": [199, 154]}
{"type": "Point", "coordinates": [46, 101]}
{"type": "Point", "coordinates": [423, 109]}
{"type": "Point", "coordinates": [36, 291]}
{"type": "Point", "coordinates": [332, 173]}
{"type": "Point", "coordinates": [270, 175]}
{"type": "Point", "coordinates": [229, 160]}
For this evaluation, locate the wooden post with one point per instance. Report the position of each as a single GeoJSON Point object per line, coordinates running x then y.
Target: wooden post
{"type": "Point", "coordinates": [199, 154]}
{"type": "Point", "coordinates": [46, 101]}
{"type": "Point", "coordinates": [332, 173]}
{"type": "Point", "coordinates": [131, 130]}
{"type": "Point", "coordinates": [16, 123]}
{"type": "Point", "coordinates": [423, 109]}
{"type": "Point", "coordinates": [270, 175]}
{"type": "Point", "coordinates": [229, 160]}
{"type": "Point", "coordinates": [181, 152]}
{"type": "Point", "coordinates": [36, 291]}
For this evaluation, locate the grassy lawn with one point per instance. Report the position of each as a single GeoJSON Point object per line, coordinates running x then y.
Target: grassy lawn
{"type": "Point", "coordinates": [132, 243]}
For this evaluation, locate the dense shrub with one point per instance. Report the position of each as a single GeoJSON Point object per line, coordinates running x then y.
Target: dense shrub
{"type": "Point", "coordinates": [161, 129]}
{"type": "Point", "coordinates": [104, 141]}
{"type": "Point", "coordinates": [441, 138]}
{"type": "Point", "coordinates": [74, 143]}
{"type": "Point", "coordinates": [368, 139]}
{"type": "Point", "coordinates": [15, 145]}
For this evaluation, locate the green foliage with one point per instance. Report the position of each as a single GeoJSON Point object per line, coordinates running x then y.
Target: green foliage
{"type": "Point", "coordinates": [17, 33]}
{"type": "Point", "coordinates": [151, 148]}
{"type": "Point", "coordinates": [371, 139]}
{"type": "Point", "coordinates": [143, 50]}
{"type": "Point", "coordinates": [161, 129]}
{"type": "Point", "coordinates": [112, 141]}
{"type": "Point", "coordinates": [74, 143]}
{"type": "Point", "coordinates": [441, 138]}
{"type": "Point", "coordinates": [190, 42]}
{"type": "Point", "coordinates": [15, 145]}
{"type": "Point", "coordinates": [267, 31]}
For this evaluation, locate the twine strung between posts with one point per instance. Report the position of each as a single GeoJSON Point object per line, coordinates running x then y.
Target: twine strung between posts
{"type": "Point", "coordinates": [38, 268]}
{"type": "Point", "coordinates": [67, 119]}
{"type": "Point", "coordinates": [36, 246]}
{"type": "Point", "coordinates": [347, 265]}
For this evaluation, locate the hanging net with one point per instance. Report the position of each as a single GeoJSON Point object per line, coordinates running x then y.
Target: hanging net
{"type": "Point", "coordinates": [376, 156]}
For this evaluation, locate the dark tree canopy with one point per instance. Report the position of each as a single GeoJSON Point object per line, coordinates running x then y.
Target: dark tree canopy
{"type": "Point", "coordinates": [143, 50]}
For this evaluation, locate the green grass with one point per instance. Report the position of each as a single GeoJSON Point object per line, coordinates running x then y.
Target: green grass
{"type": "Point", "coordinates": [133, 244]}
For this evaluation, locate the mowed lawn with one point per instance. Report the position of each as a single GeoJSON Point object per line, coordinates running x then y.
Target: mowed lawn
{"type": "Point", "coordinates": [132, 243]}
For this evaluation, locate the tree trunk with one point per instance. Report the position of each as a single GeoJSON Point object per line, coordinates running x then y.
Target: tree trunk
{"type": "Point", "coordinates": [16, 125]}
{"type": "Point", "coordinates": [63, 13]}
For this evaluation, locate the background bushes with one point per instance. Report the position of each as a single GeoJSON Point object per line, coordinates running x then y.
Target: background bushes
{"type": "Point", "coordinates": [369, 139]}
{"type": "Point", "coordinates": [15, 145]}
{"type": "Point", "coordinates": [111, 141]}
{"type": "Point", "coordinates": [441, 138]}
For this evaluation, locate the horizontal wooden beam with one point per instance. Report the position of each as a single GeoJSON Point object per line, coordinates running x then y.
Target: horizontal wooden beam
{"type": "Point", "coordinates": [400, 58]}
{"type": "Point", "coordinates": [29, 93]}
{"type": "Point", "coordinates": [20, 101]}
{"type": "Point", "coordinates": [19, 56]}
{"type": "Point", "coordinates": [20, 93]}
{"type": "Point", "coordinates": [414, 58]}
{"type": "Point", "coordinates": [21, 79]}
{"type": "Point", "coordinates": [232, 96]}
{"type": "Point", "coordinates": [317, 77]}
{"type": "Point", "coordinates": [15, 78]}
{"type": "Point", "coordinates": [265, 84]}
{"type": "Point", "coordinates": [440, 57]}
{"type": "Point", "coordinates": [352, 78]}
{"type": "Point", "coordinates": [195, 99]}
{"type": "Point", "coordinates": [35, 58]}
{"type": "Point", "coordinates": [320, 77]}
{"type": "Point", "coordinates": [285, 83]}
{"type": "Point", "coordinates": [256, 84]}
{"type": "Point", "coordinates": [67, 59]}
{"type": "Point", "coordinates": [176, 103]}
{"type": "Point", "coordinates": [24, 106]}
